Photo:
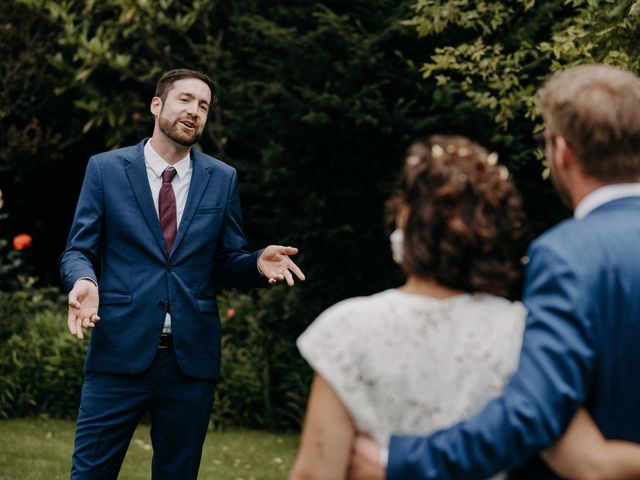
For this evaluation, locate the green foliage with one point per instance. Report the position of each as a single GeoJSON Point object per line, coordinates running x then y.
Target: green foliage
{"type": "Point", "coordinates": [493, 56]}
{"type": "Point", "coordinates": [40, 364]}
{"type": "Point", "coordinates": [600, 31]}
{"type": "Point", "coordinates": [26, 97]}
{"type": "Point", "coordinates": [264, 382]}
{"type": "Point", "coordinates": [108, 55]}
{"type": "Point", "coordinates": [317, 102]}
{"type": "Point", "coordinates": [502, 50]}
{"type": "Point", "coordinates": [306, 114]}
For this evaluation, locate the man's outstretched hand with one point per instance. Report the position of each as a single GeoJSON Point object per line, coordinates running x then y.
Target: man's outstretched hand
{"type": "Point", "coordinates": [365, 460]}
{"type": "Point", "coordinates": [275, 264]}
{"type": "Point", "coordinates": [83, 307]}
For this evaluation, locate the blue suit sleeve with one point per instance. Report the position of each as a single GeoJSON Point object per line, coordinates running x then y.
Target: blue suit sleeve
{"type": "Point", "coordinates": [539, 401]}
{"type": "Point", "coordinates": [236, 266]}
{"type": "Point", "coordinates": [80, 255]}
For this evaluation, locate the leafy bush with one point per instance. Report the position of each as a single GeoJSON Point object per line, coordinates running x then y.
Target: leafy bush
{"type": "Point", "coordinates": [264, 381]}
{"type": "Point", "coordinates": [40, 363]}
{"type": "Point", "coordinates": [317, 102]}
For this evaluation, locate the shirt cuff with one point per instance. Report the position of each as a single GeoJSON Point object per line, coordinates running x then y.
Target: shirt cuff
{"type": "Point", "coordinates": [258, 263]}
{"type": "Point", "coordinates": [85, 278]}
{"type": "Point", "coordinates": [384, 456]}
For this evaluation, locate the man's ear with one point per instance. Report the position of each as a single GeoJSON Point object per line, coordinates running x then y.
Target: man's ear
{"type": "Point", "coordinates": [565, 156]}
{"type": "Point", "coordinates": [156, 106]}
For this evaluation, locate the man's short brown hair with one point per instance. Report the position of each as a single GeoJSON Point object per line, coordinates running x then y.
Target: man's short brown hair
{"type": "Point", "coordinates": [169, 78]}
{"type": "Point", "coordinates": [596, 108]}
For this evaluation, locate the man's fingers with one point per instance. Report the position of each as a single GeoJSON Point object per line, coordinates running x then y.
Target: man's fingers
{"type": "Point", "coordinates": [73, 300]}
{"type": "Point", "coordinates": [79, 333]}
{"type": "Point", "coordinates": [289, 250]}
{"type": "Point", "coordinates": [288, 277]}
{"type": "Point", "coordinates": [91, 321]}
{"type": "Point", "coordinates": [71, 322]}
{"type": "Point", "coordinates": [294, 268]}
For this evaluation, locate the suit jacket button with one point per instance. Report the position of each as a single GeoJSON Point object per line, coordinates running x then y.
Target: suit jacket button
{"type": "Point", "coordinates": [169, 267]}
{"type": "Point", "coordinates": [161, 305]}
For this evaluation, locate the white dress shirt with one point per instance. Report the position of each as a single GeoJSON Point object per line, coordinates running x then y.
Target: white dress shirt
{"type": "Point", "coordinates": [604, 195]}
{"type": "Point", "coordinates": [155, 166]}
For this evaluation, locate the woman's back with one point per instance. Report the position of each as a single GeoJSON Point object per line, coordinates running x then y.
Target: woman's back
{"type": "Point", "coordinates": [405, 363]}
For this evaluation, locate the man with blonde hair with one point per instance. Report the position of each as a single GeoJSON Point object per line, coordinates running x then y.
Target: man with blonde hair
{"type": "Point", "coordinates": [581, 340]}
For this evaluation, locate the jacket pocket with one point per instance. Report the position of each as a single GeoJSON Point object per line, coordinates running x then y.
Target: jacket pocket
{"type": "Point", "coordinates": [207, 306]}
{"type": "Point", "coordinates": [114, 298]}
{"type": "Point", "coordinates": [209, 210]}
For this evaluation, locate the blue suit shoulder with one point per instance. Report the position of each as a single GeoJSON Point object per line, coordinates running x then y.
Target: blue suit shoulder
{"type": "Point", "coordinates": [116, 156]}
{"type": "Point", "coordinates": [620, 216]}
{"type": "Point", "coordinates": [568, 227]}
{"type": "Point", "coordinates": [561, 238]}
{"type": "Point", "coordinates": [213, 163]}
{"type": "Point", "coordinates": [594, 244]}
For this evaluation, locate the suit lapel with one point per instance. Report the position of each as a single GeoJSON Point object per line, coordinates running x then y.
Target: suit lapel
{"type": "Point", "coordinates": [199, 180]}
{"type": "Point", "coordinates": [137, 174]}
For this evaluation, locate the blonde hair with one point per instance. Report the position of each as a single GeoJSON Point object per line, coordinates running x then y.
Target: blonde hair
{"type": "Point", "coordinates": [596, 108]}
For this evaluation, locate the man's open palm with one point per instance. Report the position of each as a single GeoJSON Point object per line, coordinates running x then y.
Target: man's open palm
{"type": "Point", "coordinates": [275, 264]}
{"type": "Point", "coordinates": [83, 307]}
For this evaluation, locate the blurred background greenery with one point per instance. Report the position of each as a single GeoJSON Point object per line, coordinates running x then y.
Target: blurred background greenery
{"type": "Point", "coordinates": [317, 102]}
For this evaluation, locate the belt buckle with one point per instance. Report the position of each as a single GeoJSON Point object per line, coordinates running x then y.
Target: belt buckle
{"type": "Point", "coordinates": [165, 341]}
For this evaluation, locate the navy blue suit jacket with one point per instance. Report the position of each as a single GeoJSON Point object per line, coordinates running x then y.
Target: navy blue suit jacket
{"type": "Point", "coordinates": [581, 346]}
{"type": "Point", "coordinates": [116, 232]}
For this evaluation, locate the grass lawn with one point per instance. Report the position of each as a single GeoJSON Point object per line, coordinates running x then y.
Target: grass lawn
{"type": "Point", "coordinates": [41, 450]}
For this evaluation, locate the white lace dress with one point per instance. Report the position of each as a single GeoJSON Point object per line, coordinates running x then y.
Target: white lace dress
{"type": "Point", "coordinates": [409, 364]}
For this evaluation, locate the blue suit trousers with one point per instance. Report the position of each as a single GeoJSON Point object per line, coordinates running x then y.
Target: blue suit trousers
{"type": "Point", "coordinates": [113, 404]}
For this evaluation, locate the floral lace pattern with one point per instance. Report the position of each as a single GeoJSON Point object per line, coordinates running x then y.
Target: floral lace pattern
{"type": "Point", "coordinates": [410, 364]}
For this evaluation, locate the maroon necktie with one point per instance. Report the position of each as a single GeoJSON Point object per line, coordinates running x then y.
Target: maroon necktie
{"type": "Point", "coordinates": [167, 208]}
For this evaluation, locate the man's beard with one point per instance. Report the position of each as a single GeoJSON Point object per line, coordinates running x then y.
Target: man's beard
{"type": "Point", "coordinates": [172, 130]}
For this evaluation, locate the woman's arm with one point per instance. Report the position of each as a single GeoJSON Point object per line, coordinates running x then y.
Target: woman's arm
{"type": "Point", "coordinates": [327, 436]}
{"type": "Point", "coordinates": [584, 453]}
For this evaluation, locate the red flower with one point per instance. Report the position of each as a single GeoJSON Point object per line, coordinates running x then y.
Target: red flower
{"type": "Point", "coordinates": [22, 241]}
{"type": "Point", "coordinates": [231, 313]}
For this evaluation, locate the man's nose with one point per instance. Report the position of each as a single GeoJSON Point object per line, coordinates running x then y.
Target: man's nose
{"type": "Point", "coordinates": [192, 108]}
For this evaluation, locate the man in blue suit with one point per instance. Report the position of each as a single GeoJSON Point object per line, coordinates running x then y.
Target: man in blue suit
{"type": "Point", "coordinates": [160, 222]}
{"type": "Point", "coordinates": [583, 295]}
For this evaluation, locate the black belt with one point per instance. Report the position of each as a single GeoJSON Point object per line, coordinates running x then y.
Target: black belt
{"type": "Point", "coordinates": [166, 341]}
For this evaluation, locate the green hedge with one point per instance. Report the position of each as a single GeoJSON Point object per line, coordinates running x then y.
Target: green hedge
{"type": "Point", "coordinates": [264, 381]}
{"type": "Point", "coordinates": [40, 364]}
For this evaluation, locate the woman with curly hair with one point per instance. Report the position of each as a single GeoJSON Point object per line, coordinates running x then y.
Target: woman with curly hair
{"type": "Point", "coordinates": [432, 352]}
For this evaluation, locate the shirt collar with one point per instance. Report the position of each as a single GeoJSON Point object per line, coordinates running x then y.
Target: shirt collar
{"type": "Point", "coordinates": [159, 165]}
{"type": "Point", "coordinates": [604, 195]}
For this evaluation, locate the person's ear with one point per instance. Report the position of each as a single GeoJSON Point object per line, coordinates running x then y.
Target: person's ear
{"type": "Point", "coordinates": [565, 154]}
{"type": "Point", "coordinates": [402, 217]}
{"type": "Point", "coordinates": [156, 106]}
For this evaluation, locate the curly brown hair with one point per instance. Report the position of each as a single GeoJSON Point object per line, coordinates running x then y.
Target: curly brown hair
{"type": "Point", "coordinates": [465, 220]}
